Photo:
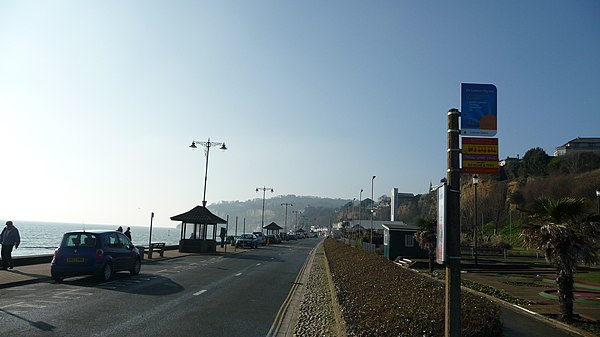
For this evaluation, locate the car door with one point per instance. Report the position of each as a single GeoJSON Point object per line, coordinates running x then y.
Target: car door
{"type": "Point", "coordinates": [129, 256]}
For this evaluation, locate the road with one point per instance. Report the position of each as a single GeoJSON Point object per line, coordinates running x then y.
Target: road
{"type": "Point", "coordinates": [235, 295]}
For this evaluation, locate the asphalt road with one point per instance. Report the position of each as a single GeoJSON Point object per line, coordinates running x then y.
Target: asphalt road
{"type": "Point", "coordinates": [517, 324]}
{"type": "Point", "coordinates": [235, 295]}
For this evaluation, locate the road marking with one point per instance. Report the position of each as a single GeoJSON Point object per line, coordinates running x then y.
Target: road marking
{"type": "Point", "coordinates": [10, 305]}
{"type": "Point", "coordinates": [238, 274]}
{"type": "Point", "coordinates": [258, 264]}
{"type": "Point", "coordinates": [199, 292]}
{"type": "Point", "coordinates": [526, 310]}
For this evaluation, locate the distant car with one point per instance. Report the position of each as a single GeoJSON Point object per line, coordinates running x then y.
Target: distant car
{"type": "Point", "coordinates": [261, 238]}
{"type": "Point", "coordinates": [96, 252]}
{"type": "Point", "coordinates": [292, 237]}
{"type": "Point", "coordinates": [246, 240]}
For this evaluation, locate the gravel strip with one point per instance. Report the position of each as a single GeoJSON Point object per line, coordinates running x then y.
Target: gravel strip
{"type": "Point", "coordinates": [315, 317]}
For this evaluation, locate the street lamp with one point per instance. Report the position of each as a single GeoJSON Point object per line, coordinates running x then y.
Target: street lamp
{"type": "Point", "coordinates": [286, 206]}
{"type": "Point", "coordinates": [207, 145]}
{"type": "Point", "coordinates": [598, 196]}
{"type": "Point", "coordinates": [372, 209]}
{"type": "Point", "coordinates": [475, 182]}
{"type": "Point", "coordinates": [264, 189]}
{"type": "Point", "coordinates": [297, 212]}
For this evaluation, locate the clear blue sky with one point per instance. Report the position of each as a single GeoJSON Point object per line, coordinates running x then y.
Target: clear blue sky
{"type": "Point", "coordinates": [99, 100]}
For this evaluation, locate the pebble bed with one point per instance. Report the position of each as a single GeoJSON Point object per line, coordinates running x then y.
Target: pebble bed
{"type": "Point", "coordinates": [315, 317]}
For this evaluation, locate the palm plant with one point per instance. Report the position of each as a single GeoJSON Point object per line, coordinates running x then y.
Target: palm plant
{"type": "Point", "coordinates": [426, 238]}
{"type": "Point", "coordinates": [567, 235]}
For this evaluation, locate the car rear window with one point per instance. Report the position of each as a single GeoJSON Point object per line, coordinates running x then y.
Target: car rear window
{"type": "Point", "coordinates": [79, 240]}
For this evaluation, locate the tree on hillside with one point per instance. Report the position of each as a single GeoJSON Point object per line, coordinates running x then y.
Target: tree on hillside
{"type": "Point", "coordinates": [566, 234]}
{"type": "Point", "coordinates": [426, 238]}
{"type": "Point", "coordinates": [534, 162]}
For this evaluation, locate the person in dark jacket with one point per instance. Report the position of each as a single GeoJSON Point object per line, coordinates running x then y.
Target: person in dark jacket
{"type": "Point", "coordinates": [9, 238]}
{"type": "Point", "coordinates": [128, 233]}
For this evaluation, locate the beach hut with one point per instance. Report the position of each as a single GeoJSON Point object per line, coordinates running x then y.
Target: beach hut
{"type": "Point", "coordinates": [196, 240]}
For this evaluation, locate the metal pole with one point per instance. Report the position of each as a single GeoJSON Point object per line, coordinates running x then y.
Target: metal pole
{"type": "Point", "coordinates": [150, 237]}
{"type": "Point", "coordinates": [372, 209]}
{"type": "Point", "coordinates": [452, 313]}
{"type": "Point", "coordinates": [286, 213]}
{"type": "Point", "coordinates": [359, 215]}
{"type": "Point", "coordinates": [475, 219]}
{"type": "Point", "coordinates": [206, 173]}
{"type": "Point", "coordinates": [226, 232]}
{"type": "Point", "coordinates": [236, 233]}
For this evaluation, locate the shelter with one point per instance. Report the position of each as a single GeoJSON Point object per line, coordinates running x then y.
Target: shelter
{"type": "Point", "coordinates": [273, 228]}
{"type": "Point", "coordinates": [197, 241]}
{"type": "Point", "coordinates": [399, 240]}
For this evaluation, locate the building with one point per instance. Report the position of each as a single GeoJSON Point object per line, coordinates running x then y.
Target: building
{"type": "Point", "coordinates": [578, 144]}
{"type": "Point", "coordinates": [399, 240]}
{"type": "Point", "coordinates": [395, 202]}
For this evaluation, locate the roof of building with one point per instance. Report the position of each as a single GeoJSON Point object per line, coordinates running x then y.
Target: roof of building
{"type": "Point", "coordinates": [198, 215]}
{"type": "Point", "coordinates": [398, 226]}
{"type": "Point", "coordinates": [582, 140]}
{"type": "Point", "coordinates": [273, 226]}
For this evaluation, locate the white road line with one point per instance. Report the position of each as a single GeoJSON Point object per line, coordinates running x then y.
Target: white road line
{"type": "Point", "coordinates": [10, 305]}
{"type": "Point", "coordinates": [526, 310]}
{"type": "Point", "coordinates": [258, 264]}
{"type": "Point", "coordinates": [163, 271]}
{"type": "Point", "coordinates": [199, 292]}
{"type": "Point", "coordinates": [238, 274]}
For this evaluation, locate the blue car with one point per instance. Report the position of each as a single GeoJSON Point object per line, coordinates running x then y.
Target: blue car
{"type": "Point", "coordinates": [96, 252]}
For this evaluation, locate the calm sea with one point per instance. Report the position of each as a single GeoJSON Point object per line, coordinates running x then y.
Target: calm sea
{"type": "Point", "coordinates": [43, 237]}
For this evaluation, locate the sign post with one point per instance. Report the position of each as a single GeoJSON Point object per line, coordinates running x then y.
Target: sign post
{"type": "Point", "coordinates": [441, 225]}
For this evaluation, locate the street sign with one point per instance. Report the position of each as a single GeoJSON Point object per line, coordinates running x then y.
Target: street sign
{"type": "Point", "coordinates": [480, 155]}
{"type": "Point", "coordinates": [478, 113]}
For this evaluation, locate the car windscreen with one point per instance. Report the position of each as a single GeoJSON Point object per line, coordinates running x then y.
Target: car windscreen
{"type": "Point", "coordinates": [79, 240]}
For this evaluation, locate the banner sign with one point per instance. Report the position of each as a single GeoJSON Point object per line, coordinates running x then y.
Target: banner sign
{"type": "Point", "coordinates": [441, 225]}
{"type": "Point", "coordinates": [480, 155]}
{"type": "Point", "coordinates": [478, 110]}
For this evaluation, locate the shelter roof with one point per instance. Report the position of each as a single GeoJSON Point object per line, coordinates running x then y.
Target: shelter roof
{"type": "Point", "coordinates": [198, 215]}
{"type": "Point", "coordinates": [273, 226]}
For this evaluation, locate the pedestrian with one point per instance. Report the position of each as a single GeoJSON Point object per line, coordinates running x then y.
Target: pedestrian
{"type": "Point", "coordinates": [9, 238]}
{"type": "Point", "coordinates": [120, 229]}
{"type": "Point", "coordinates": [128, 233]}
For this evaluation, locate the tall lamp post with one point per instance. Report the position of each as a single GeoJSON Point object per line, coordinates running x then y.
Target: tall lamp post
{"type": "Point", "coordinates": [264, 189]}
{"type": "Point", "coordinates": [475, 182]}
{"type": "Point", "coordinates": [297, 212]}
{"type": "Point", "coordinates": [286, 206]}
{"type": "Point", "coordinates": [207, 145]}
{"type": "Point", "coordinates": [598, 196]}
{"type": "Point", "coordinates": [359, 210]}
{"type": "Point", "coordinates": [372, 209]}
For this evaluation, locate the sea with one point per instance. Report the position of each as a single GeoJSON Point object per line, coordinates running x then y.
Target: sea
{"type": "Point", "coordinates": [39, 238]}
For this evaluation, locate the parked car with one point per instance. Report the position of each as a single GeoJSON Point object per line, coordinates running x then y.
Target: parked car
{"type": "Point", "coordinates": [261, 238]}
{"type": "Point", "coordinates": [96, 252]}
{"type": "Point", "coordinates": [246, 240]}
{"type": "Point", "coordinates": [273, 239]}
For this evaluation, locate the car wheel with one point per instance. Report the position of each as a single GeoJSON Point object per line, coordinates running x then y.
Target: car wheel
{"type": "Point", "coordinates": [107, 272]}
{"type": "Point", "coordinates": [57, 277]}
{"type": "Point", "coordinates": [137, 266]}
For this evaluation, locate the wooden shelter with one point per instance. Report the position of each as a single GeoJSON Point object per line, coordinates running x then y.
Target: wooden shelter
{"type": "Point", "coordinates": [273, 228]}
{"type": "Point", "coordinates": [196, 241]}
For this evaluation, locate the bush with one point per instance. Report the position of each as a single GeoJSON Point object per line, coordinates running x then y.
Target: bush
{"type": "Point", "coordinates": [380, 299]}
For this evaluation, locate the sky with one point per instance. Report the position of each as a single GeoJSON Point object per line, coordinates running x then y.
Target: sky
{"type": "Point", "coordinates": [100, 100]}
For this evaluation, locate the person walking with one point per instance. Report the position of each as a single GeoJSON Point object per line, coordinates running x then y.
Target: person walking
{"type": "Point", "coordinates": [9, 238]}
{"type": "Point", "coordinates": [128, 233]}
